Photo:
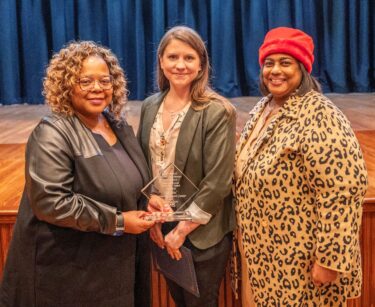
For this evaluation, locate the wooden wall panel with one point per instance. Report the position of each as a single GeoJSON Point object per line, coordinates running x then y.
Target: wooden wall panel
{"type": "Point", "coordinates": [162, 298]}
{"type": "Point", "coordinates": [368, 256]}
{"type": "Point", "coordinates": [6, 230]}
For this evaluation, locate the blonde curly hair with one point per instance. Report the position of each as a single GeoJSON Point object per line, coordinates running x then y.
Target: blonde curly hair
{"type": "Point", "coordinates": [63, 71]}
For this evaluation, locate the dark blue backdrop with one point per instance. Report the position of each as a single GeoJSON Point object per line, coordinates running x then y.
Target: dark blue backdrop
{"type": "Point", "coordinates": [31, 30]}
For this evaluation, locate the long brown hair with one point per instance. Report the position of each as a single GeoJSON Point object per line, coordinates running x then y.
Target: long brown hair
{"type": "Point", "coordinates": [201, 93]}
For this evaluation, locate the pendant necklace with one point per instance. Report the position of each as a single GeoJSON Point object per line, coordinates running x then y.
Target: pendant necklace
{"type": "Point", "coordinates": [164, 138]}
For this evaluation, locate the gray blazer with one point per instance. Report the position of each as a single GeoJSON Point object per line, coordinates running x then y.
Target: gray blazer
{"type": "Point", "coordinates": [205, 152]}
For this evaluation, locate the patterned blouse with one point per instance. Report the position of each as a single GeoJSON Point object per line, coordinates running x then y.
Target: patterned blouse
{"type": "Point", "coordinates": [163, 149]}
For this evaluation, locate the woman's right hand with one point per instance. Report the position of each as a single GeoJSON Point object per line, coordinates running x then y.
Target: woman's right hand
{"type": "Point", "coordinates": [158, 204]}
{"type": "Point", "coordinates": [156, 235]}
{"type": "Point", "coordinates": [134, 222]}
{"type": "Point", "coordinates": [321, 275]}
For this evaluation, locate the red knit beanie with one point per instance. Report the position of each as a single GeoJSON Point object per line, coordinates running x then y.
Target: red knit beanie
{"type": "Point", "coordinates": [290, 41]}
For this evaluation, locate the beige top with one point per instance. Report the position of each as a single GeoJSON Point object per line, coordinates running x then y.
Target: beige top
{"type": "Point", "coordinates": [163, 148]}
{"type": "Point", "coordinates": [267, 115]}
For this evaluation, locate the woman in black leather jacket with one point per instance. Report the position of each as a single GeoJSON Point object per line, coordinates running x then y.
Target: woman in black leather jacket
{"type": "Point", "coordinates": [74, 241]}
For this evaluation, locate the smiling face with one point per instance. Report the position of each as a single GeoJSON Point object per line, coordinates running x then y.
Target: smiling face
{"type": "Point", "coordinates": [91, 103]}
{"type": "Point", "coordinates": [281, 75]}
{"type": "Point", "coordinates": [180, 64]}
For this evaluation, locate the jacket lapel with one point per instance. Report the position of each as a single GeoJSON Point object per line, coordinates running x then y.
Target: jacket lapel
{"type": "Point", "coordinates": [254, 115]}
{"type": "Point", "coordinates": [258, 143]}
{"type": "Point", "coordinates": [132, 147]}
{"type": "Point", "coordinates": [291, 109]}
{"type": "Point", "coordinates": [147, 122]}
{"type": "Point", "coordinates": [185, 138]}
{"type": "Point", "coordinates": [125, 135]}
{"type": "Point", "coordinates": [264, 137]}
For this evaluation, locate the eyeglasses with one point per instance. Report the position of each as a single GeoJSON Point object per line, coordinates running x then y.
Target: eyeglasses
{"type": "Point", "coordinates": [87, 84]}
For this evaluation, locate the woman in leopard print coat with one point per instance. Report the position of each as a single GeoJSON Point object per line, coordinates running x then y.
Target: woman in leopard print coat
{"type": "Point", "coordinates": [300, 179]}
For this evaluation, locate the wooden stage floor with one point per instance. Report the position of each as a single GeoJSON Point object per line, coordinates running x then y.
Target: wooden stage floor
{"type": "Point", "coordinates": [17, 122]}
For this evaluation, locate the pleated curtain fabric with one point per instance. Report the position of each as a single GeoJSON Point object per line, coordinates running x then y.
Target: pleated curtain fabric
{"type": "Point", "coordinates": [32, 30]}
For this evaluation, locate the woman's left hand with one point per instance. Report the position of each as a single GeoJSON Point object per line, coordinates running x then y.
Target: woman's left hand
{"type": "Point", "coordinates": [177, 236]}
{"type": "Point", "coordinates": [173, 242]}
{"type": "Point", "coordinates": [321, 275]}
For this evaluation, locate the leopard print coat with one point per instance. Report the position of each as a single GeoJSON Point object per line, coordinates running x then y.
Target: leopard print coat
{"type": "Point", "coordinates": [299, 200]}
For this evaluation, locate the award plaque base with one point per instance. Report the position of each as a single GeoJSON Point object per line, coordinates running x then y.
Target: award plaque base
{"type": "Point", "coordinates": [168, 216]}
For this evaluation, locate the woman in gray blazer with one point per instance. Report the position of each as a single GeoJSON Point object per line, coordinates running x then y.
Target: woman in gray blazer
{"type": "Point", "coordinates": [190, 125]}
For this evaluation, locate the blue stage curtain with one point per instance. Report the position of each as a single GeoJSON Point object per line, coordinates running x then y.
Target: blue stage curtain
{"type": "Point", "coordinates": [32, 30]}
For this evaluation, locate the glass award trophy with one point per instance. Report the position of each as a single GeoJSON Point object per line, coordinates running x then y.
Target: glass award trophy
{"type": "Point", "coordinates": [166, 186]}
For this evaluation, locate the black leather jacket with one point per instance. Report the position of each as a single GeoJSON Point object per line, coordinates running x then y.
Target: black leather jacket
{"type": "Point", "coordinates": [63, 252]}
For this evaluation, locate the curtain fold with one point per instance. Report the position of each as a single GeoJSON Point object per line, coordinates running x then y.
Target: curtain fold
{"type": "Point", "coordinates": [32, 30]}
{"type": "Point", "coordinates": [10, 70]}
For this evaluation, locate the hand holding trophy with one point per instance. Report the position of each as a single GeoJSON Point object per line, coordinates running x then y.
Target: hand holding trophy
{"type": "Point", "coordinates": [157, 204]}
{"type": "Point", "coordinates": [166, 203]}
{"type": "Point", "coordinates": [161, 211]}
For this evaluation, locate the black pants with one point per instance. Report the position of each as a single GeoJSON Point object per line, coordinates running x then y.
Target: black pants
{"type": "Point", "coordinates": [142, 287]}
{"type": "Point", "coordinates": [210, 267]}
